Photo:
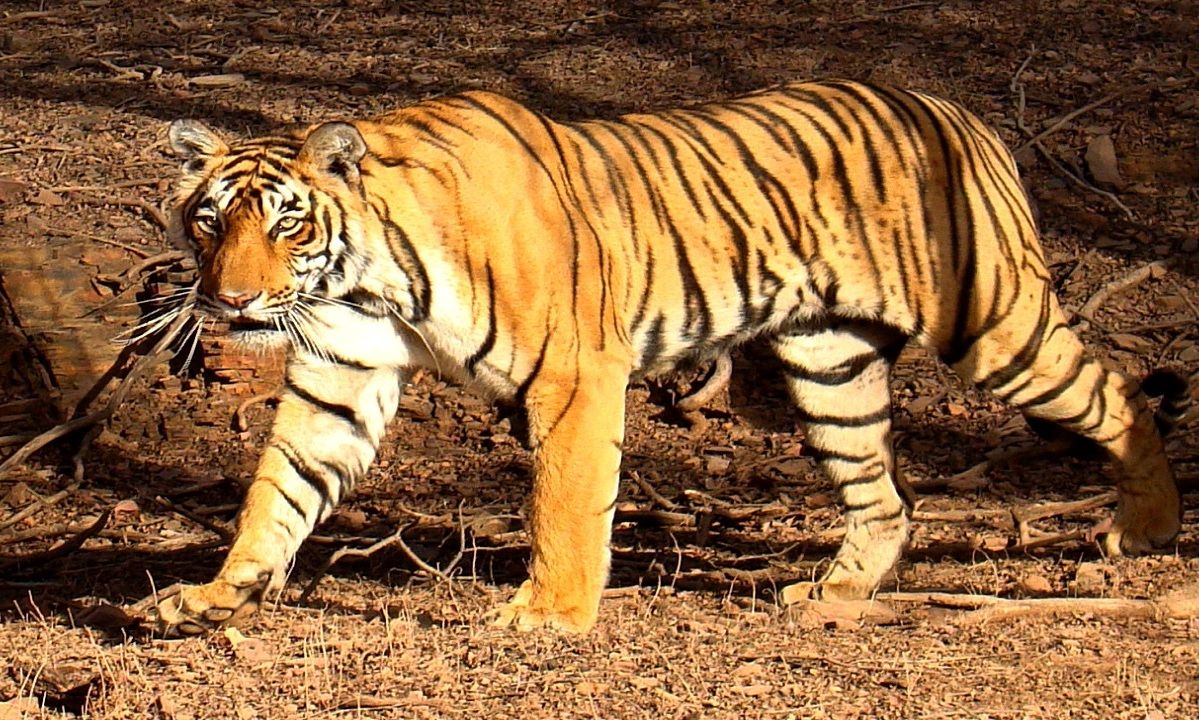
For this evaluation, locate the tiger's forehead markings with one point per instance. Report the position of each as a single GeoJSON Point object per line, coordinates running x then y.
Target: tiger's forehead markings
{"type": "Point", "coordinates": [255, 179]}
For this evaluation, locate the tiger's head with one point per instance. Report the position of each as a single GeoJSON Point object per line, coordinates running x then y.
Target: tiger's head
{"type": "Point", "coordinates": [270, 221]}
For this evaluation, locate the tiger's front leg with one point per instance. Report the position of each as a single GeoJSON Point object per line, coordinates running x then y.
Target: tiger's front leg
{"type": "Point", "coordinates": [576, 424]}
{"type": "Point", "coordinates": [330, 421]}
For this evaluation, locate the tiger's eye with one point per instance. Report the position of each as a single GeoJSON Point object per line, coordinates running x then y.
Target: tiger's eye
{"type": "Point", "coordinates": [286, 225]}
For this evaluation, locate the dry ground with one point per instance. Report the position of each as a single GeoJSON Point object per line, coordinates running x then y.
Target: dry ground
{"type": "Point", "coordinates": [693, 627]}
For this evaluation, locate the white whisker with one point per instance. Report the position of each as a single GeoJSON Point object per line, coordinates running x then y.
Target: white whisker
{"type": "Point", "coordinates": [395, 311]}
{"type": "Point", "coordinates": [197, 329]}
{"type": "Point", "coordinates": [153, 323]}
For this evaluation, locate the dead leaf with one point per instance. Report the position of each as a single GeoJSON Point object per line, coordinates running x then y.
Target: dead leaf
{"type": "Point", "coordinates": [1135, 343]}
{"type": "Point", "coordinates": [19, 708]}
{"type": "Point", "coordinates": [818, 500]}
{"type": "Point", "coordinates": [1101, 161]}
{"type": "Point", "coordinates": [109, 618]}
{"type": "Point", "coordinates": [48, 198]}
{"type": "Point", "coordinates": [752, 690]}
{"type": "Point", "coordinates": [718, 465]}
{"type": "Point", "coordinates": [126, 510]}
{"type": "Point", "coordinates": [1089, 579]}
{"type": "Point", "coordinates": [350, 519]}
{"type": "Point", "coordinates": [968, 482]}
{"type": "Point", "coordinates": [217, 81]}
{"type": "Point", "coordinates": [11, 191]}
{"type": "Point", "coordinates": [248, 651]}
{"type": "Point", "coordinates": [18, 496]}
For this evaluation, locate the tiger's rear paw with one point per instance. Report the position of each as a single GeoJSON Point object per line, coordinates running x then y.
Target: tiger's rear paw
{"type": "Point", "coordinates": [813, 605]}
{"type": "Point", "coordinates": [1127, 540]}
{"type": "Point", "coordinates": [201, 608]}
{"type": "Point", "coordinates": [525, 613]}
{"type": "Point", "coordinates": [1142, 524]}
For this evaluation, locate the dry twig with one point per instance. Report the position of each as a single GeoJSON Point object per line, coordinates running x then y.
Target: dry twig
{"type": "Point", "coordinates": [652, 492]}
{"type": "Point", "coordinates": [1125, 282]}
{"type": "Point", "coordinates": [396, 538]}
{"type": "Point", "coordinates": [1017, 88]}
{"type": "Point", "coordinates": [239, 415]}
{"type": "Point", "coordinates": [66, 547]}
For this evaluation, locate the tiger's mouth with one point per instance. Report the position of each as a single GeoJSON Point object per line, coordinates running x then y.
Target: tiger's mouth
{"type": "Point", "coordinates": [244, 323]}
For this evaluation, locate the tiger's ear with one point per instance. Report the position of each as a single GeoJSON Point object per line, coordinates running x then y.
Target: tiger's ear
{"type": "Point", "coordinates": [194, 143]}
{"type": "Point", "coordinates": [334, 148]}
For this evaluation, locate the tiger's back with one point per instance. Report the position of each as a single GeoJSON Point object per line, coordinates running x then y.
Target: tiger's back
{"type": "Point", "coordinates": [550, 262]}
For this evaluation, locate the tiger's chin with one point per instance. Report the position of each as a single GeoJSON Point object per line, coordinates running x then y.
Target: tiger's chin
{"type": "Point", "coordinates": [261, 340]}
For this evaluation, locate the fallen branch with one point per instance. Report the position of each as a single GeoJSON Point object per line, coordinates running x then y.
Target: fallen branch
{"type": "Point", "coordinates": [1065, 120]}
{"type": "Point", "coordinates": [120, 184]}
{"type": "Point", "coordinates": [67, 232]}
{"type": "Point", "coordinates": [223, 530]}
{"type": "Point", "coordinates": [974, 476]}
{"type": "Point", "coordinates": [716, 381]}
{"type": "Point", "coordinates": [1024, 516]}
{"type": "Point", "coordinates": [1181, 604]}
{"type": "Point", "coordinates": [882, 12]}
{"type": "Point", "coordinates": [133, 276]}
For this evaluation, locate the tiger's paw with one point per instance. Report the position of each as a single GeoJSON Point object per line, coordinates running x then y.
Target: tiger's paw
{"type": "Point", "coordinates": [822, 591]}
{"type": "Point", "coordinates": [525, 613]}
{"type": "Point", "coordinates": [200, 608]}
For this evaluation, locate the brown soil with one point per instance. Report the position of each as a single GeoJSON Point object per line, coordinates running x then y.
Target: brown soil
{"type": "Point", "coordinates": [692, 627]}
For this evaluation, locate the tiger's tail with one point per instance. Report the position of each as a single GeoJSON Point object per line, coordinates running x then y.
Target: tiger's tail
{"type": "Point", "coordinates": [1173, 389]}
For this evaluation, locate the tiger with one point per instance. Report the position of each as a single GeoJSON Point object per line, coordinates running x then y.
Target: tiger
{"type": "Point", "coordinates": [549, 264]}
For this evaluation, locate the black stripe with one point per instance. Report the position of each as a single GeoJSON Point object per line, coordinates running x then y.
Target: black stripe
{"type": "Point", "coordinates": [344, 412]}
{"type": "Point", "coordinates": [307, 473]}
{"type": "Point", "coordinates": [295, 504]}
{"type": "Point", "coordinates": [653, 342]}
{"type": "Point", "coordinates": [878, 416]}
{"type": "Point", "coordinates": [837, 375]}
{"type": "Point", "coordinates": [489, 339]}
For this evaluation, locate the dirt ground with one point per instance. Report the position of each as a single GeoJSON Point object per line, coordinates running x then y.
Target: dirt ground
{"type": "Point", "coordinates": [713, 520]}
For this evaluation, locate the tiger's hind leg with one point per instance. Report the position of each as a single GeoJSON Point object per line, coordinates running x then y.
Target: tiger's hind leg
{"type": "Point", "coordinates": [839, 379]}
{"type": "Point", "coordinates": [1033, 360]}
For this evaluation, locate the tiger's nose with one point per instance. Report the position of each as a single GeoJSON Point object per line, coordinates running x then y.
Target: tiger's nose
{"type": "Point", "coordinates": [236, 299]}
